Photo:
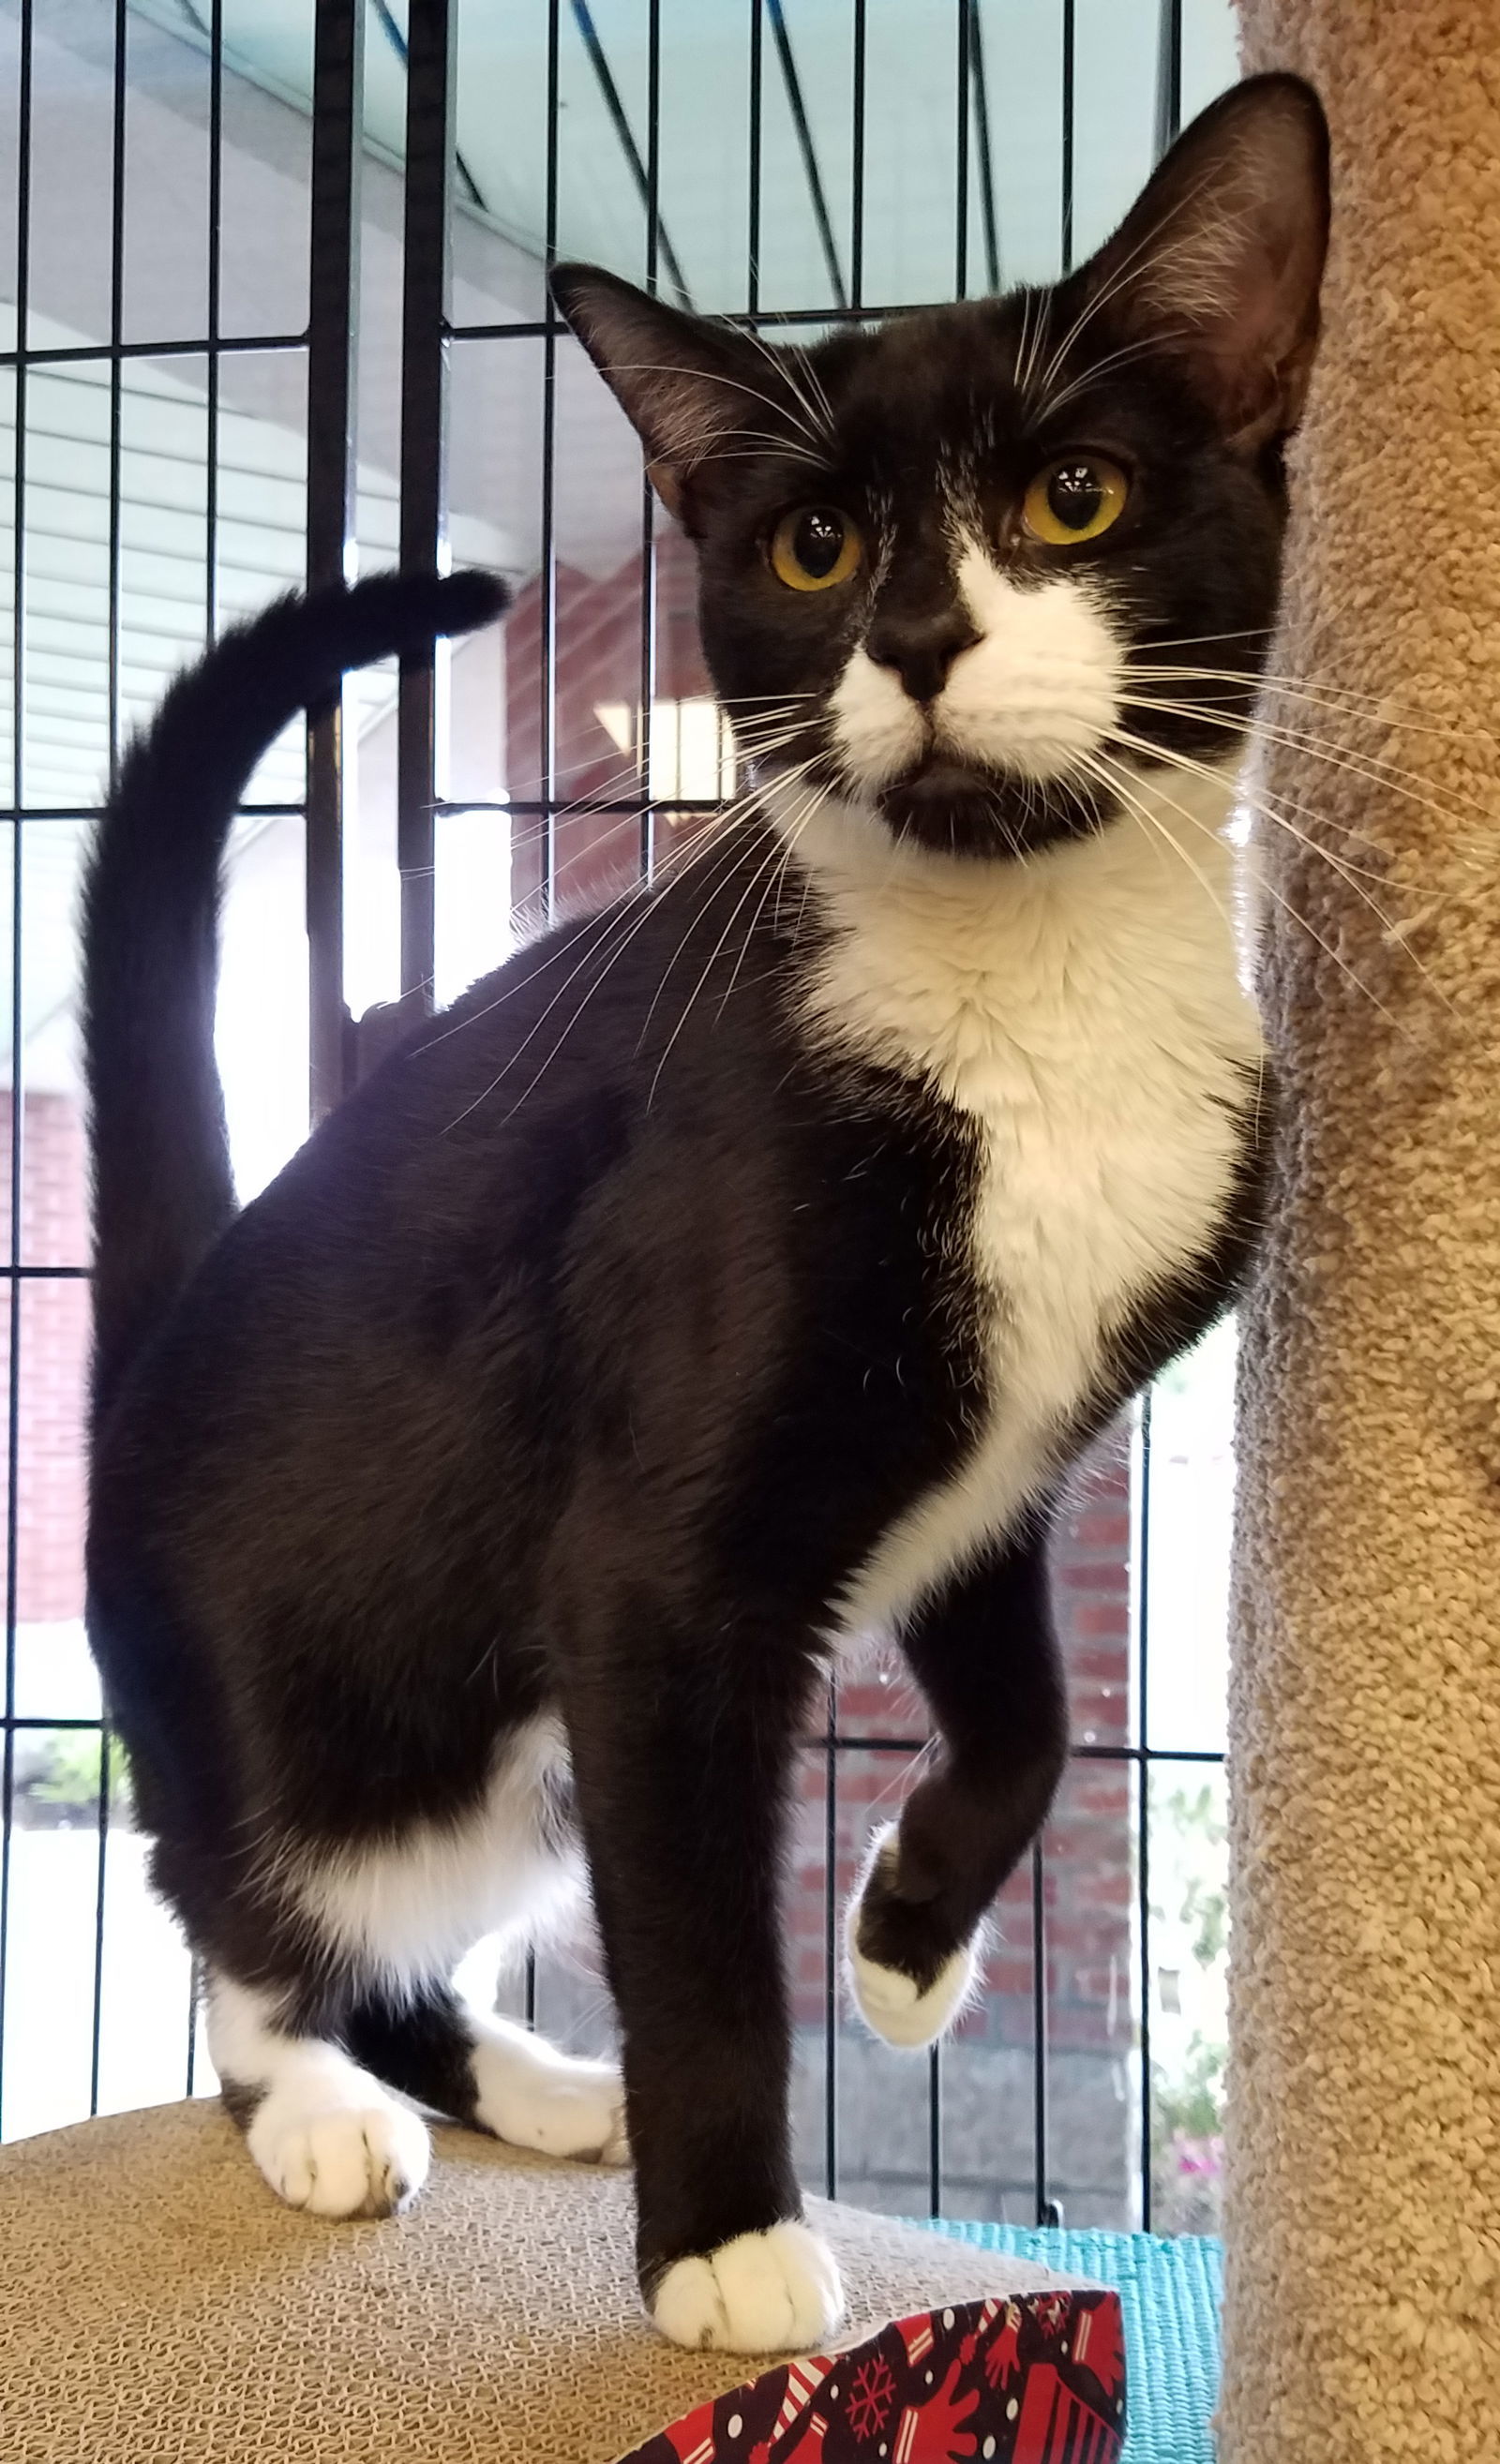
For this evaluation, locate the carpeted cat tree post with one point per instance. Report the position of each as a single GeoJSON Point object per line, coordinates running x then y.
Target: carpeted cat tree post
{"type": "Point", "coordinates": [1364, 2310]}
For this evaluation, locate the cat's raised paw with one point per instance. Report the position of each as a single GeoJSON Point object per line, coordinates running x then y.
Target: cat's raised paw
{"type": "Point", "coordinates": [774, 2292]}
{"type": "Point", "coordinates": [896, 2006]}
{"type": "Point", "coordinates": [365, 2159]}
{"type": "Point", "coordinates": [889, 1999]}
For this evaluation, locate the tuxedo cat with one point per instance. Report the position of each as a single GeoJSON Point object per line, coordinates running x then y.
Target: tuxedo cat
{"type": "Point", "coordinates": [475, 1514]}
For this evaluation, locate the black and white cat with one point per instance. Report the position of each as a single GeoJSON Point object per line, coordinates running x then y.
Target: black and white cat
{"type": "Point", "coordinates": [739, 1267]}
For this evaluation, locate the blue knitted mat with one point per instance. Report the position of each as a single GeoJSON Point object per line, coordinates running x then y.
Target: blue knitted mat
{"type": "Point", "coordinates": [1170, 2293]}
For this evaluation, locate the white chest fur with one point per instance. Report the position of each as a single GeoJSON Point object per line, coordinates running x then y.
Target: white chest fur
{"type": "Point", "coordinates": [1086, 1010]}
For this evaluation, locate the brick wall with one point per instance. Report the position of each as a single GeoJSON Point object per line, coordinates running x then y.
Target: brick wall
{"type": "Point", "coordinates": [52, 1358]}
{"type": "Point", "coordinates": [597, 663]}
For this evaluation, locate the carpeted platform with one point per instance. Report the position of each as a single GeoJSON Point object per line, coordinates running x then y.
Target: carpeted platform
{"type": "Point", "coordinates": [1170, 2293]}
{"type": "Point", "coordinates": [160, 2307]}
{"type": "Point", "coordinates": [1362, 2137]}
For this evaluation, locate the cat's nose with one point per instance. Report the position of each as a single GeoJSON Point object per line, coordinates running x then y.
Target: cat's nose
{"type": "Point", "coordinates": [921, 645]}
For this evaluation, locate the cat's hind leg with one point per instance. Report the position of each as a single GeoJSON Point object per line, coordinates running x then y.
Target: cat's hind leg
{"type": "Point", "coordinates": [324, 2133]}
{"type": "Point", "coordinates": [376, 1928]}
{"type": "Point", "coordinates": [491, 2073]}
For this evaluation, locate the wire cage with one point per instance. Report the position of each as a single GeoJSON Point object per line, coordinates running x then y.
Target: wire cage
{"type": "Point", "coordinates": [272, 304]}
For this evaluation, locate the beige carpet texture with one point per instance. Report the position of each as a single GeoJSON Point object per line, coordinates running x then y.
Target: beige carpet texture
{"type": "Point", "coordinates": [1364, 2224]}
{"type": "Point", "coordinates": [158, 2306]}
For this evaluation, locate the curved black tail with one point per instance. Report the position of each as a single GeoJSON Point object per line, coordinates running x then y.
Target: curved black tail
{"type": "Point", "coordinates": [162, 1190]}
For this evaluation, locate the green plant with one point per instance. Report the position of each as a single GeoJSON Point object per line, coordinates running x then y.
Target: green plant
{"type": "Point", "coordinates": [1192, 2103]}
{"type": "Point", "coordinates": [1204, 1905]}
{"type": "Point", "coordinates": [65, 1770]}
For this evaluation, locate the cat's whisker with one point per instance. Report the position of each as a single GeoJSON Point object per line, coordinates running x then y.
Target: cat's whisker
{"type": "Point", "coordinates": [1114, 777]}
{"type": "Point", "coordinates": [1251, 797]}
{"type": "Point", "coordinates": [761, 872]}
{"type": "Point", "coordinates": [779, 701]}
{"type": "Point", "coordinates": [1310, 683]}
{"type": "Point", "coordinates": [1391, 930]}
{"type": "Point", "coordinates": [779, 410]}
{"type": "Point", "coordinates": [521, 791]}
{"type": "Point", "coordinates": [756, 730]}
{"type": "Point", "coordinates": [1146, 347]}
{"type": "Point", "coordinates": [794, 773]}
{"type": "Point", "coordinates": [819, 412]}
{"type": "Point", "coordinates": [757, 453]}
{"type": "Point", "coordinates": [1125, 788]}
{"type": "Point", "coordinates": [1193, 641]}
{"type": "Point", "coordinates": [792, 776]}
{"type": "Point", "coordinates": [772, 877]}
{"type": "Point", "coordinates": [683, 863]}
{"type": "Point", "coordinates": [791, 834]}
{"type": "Point", "coordinates": [1341, 700]}
{"type": "Point", "coordinates": [711, 858]}
{"type": "Point", "coordinates": [1029, 339]}
{"type": "Point", "coordinates": [1286, 906]}
{"type": "Point", "coordinates": [1348, 872]}
{"type": "Point", "coordinates": [621, 930]}
{"type": "Point", "coordinates": [1119, 787]}
{"type": "Point", "coordinates": [820, 392]}
{"type": "Point", "coordinates": [527, 833]}
{"type": "Point", "coordinates": [1136, 262]}
{"type": "Point", "coordinates": [1373, 770]}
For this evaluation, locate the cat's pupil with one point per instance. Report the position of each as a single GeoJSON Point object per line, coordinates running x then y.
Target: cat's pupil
{"type": "Point", "coordinates": [818, 541]}
{"type": "Point", "coordinates": [1075, 494]}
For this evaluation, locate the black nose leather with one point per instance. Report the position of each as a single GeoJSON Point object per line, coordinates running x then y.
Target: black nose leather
{"type": "Point", "coordinates": [921, 645]}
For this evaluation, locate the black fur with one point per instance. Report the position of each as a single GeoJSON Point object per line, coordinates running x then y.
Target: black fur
{"type": "Point", "coordinates": [583, 1357]}
{"type": "Point", "coordinates": [161, 1183]}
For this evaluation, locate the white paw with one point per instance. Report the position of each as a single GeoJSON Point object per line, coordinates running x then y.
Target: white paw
{"type": "Point", "coordinates": [776, 2291]}
{"type": "Point", "coordinates": [892, 2005]}
{"type": "Point", "coordinates": [532, 2096]}
{"type": "Point", "coordinates": [367, 2159]}
{"type": "Point", "coordinates": [888, 1999]}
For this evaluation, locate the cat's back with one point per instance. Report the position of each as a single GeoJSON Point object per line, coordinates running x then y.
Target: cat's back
{"type": "Point", "coordinates": [618, 1096]}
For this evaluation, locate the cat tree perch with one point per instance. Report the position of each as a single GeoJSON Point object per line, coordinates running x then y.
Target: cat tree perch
{"type": "Point", "coordinates": [159, 2305]}
{"type": "Point", "coordinates": [1362, 2319]}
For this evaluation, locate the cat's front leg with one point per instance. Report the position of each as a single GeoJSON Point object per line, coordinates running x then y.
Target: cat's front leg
{"type": "Point", "coordinates": [984, 1652]}
{"type": "Point", "coordinates": [682, 1750]}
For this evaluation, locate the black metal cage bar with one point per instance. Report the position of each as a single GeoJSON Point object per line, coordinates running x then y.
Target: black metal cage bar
{"type": "Point", "coordinates": [332, 348]}
{"type": "Point", "coordinates": [431, 56]}
{"type": "Point", "coordinates": [23, 261]}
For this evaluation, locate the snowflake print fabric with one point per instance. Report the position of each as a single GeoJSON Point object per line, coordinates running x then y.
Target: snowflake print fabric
{"type": "Point", "coordinates": [1036, 2379]}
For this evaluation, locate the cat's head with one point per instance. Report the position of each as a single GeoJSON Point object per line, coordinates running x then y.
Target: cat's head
{"type": "Point", "coordinates": [976, 566]}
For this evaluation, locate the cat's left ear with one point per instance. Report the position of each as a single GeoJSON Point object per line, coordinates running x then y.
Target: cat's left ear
{"type": "Point", "coordinates": [687, 386]}
{"type": "Point", "coordinates": [1219, 260]}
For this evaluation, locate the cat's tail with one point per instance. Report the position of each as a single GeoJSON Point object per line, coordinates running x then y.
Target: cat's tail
{"type": "Point", "coordinates": [162, 1190]}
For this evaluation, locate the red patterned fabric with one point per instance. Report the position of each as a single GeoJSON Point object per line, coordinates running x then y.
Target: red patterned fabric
{"type": "Point", "coordinates": [1039, 2379]}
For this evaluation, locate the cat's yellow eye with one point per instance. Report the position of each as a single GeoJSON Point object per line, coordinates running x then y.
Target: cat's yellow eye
{"type": "Point", "coordinates": [1075, 498]}
{"type": "Point", "coordinates": [814, 548]}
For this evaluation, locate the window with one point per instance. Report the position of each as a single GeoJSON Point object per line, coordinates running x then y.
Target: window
{"type": "Point", "coordinates": [171, 411]}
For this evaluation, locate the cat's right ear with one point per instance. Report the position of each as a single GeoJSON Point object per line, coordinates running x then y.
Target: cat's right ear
{"type": "Point", "coordinates": [1219, 262]}
{"type": "Point", "coordinates": [686, 385]}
